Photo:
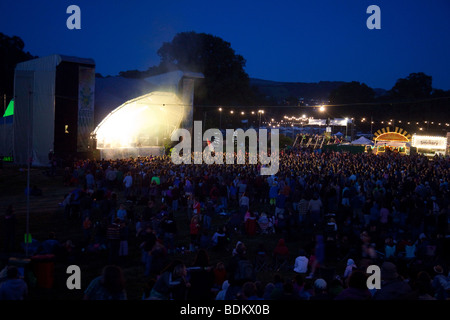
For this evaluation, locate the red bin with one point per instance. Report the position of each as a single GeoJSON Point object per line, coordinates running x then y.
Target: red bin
{"type": "Point", "coordinates": [44, 269]}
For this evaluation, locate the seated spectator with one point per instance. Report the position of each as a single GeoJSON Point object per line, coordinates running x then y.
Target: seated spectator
{"type": "Point", "coordinates": [51, 245]}
{"type": "Point", "coordinates": [356, 287]}
{"type": "Point", "coordinates": [110, 285]}
{"type": "Point", "coordinates": [393, 286]}
{"type": "Point", "coordinates": [14, 287]}
{"type": "Point", "coordinates": [320, 290]}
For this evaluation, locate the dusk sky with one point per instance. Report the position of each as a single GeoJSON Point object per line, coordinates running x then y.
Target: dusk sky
{"type": "Point", "coordinates": [294, 41]}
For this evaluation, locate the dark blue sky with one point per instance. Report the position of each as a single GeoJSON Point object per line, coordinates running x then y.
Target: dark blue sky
{"type": "Point", "coordinates": [299, 41]}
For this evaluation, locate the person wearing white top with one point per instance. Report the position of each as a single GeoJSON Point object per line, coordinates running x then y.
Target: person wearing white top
{"type": "Point", "coordinates": [301, 263]}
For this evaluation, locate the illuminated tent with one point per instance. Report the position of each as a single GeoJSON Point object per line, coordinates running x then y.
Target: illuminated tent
{"type": "Point", "coordinates": [362, 141]}
{"type": "Point", "coordinates": [142, 125]}
{"type": "Point", "coordinates": [398, 139]}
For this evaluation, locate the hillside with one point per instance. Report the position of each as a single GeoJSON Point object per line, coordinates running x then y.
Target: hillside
{"type": "Point", "coordinates": [315, 92]}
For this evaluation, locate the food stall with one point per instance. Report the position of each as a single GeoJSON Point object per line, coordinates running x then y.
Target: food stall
{"type": "Point", "coordinates": [398, 140]}
{"type": "Point", "coordinates": [429, 145]}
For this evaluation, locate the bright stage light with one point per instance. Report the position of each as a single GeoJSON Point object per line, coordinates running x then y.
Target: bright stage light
{"type": "Point", "coordinates": [142, 122]}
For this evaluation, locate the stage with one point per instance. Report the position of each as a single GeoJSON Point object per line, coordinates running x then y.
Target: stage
{"type": "Point", "coordinates": [125, 153]}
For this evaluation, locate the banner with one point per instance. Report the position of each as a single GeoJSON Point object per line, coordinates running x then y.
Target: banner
{"type": "Point", "coordinates": [340, 122]}
{"type": "Point", "coordinates": [429, 142]}
{"type": "Point", "coordinates": [86, 87]}
{"type": "Point", "coordinates": [320, 122]}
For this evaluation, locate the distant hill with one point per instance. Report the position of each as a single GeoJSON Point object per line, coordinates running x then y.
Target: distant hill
{"type": "Point", "coordinates": [315, 92]}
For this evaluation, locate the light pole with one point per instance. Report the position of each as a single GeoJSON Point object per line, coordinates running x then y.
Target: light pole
{"type": "Point", "coordinates": [371, 124]}
{"type": "Point", "coordinates": [27, 231]}
{"type": "Point", "coordinates": [346, 125]}
{"type": "Point", "coordinates": [220, 118]}
{"type": "Point", "coordinates": [260, 112]}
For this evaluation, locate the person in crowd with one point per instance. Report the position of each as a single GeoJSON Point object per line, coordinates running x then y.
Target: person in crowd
{"type": "Point", "coordinates": [356, 287]}
{"type": "Point", "coordinates": [301, 263]}
{"type": "Point", "coordinates": [14, 286]}
{"type": "Point", "coordinates": [172, 283]}
{"type": "Point", "coordinates": [110, 285]}
{"type": "Point", "coordinates": [393, 285]}
{"type": "Point", "coordinates": [201, 278]}
{"type": "Point", "coordinates": [320, 290]}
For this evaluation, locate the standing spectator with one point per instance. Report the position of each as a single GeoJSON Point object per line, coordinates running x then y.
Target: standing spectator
{"type": "Point", "coordinates": [194, 231]}
{"type": "Point", "coordinates": [147, 240]}
{"type": "Point", "coordinates": [221, 294]}
{"type": "Point", "coordinates": [111, 175]}
{"type": "Point", "coordinates": [357, 204]}
{"type": "Point", "coordinates": [240, 270]}
{"type": "Point", "coordinates": [14, 287]}
{"type": "Point", "coordinates": [169, 229]}
{"type": "Point", "coordinates": [208, 215]}
{"type": "Point", "coordinates": [319, 255]}
{"type": "Point", "coordinates": [50, 245]}
{"type": "Point", "coordinates": [244, 205]}
{"type": "Point", "coordinates": [148, 212]}
{"type": "Point", "coordinates": [90, 180]}
{"type": "Point", "coordinates": [351, 266]}
{"type": "Point", "coordinates": [122, 213]}
{"type": "Point", "coordinates": [280, 203]}
{"type": "Point", "coordinates": [127, 183]}
{"type": "Point", "coordinates": [374, 213]}
{"type": "Point", "coordinates": [175, 198]}
{"type": "Point", "coordinates": [315, 207]}
{"type": "Point", "coordinates": [124, 236]}
{"type": "Point", "coordinates": [110, 285]}
{"type": "Point", "coordinates": [273, 192]}
{"type": "Point", "coordinates": [250, 224]}
{"type": "Point", "coordinates": [113, 238]}
{"type": "Point", "coordinates": [201, 278]}
{"type": "Point", "coordinates": [196, 207]}
{"type": "Point", "coordinates": [220, 275]}
{"type": "Point", "coordinates": [87, 228]}
{"type": "Point", "coordinates": [302, 209]}
{"type": "Point", "coordinates": [384, 217]}
{"type": "Point", "coordinates": [281, 250]}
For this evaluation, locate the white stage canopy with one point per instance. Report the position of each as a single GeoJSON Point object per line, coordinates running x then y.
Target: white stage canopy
{"type": "Point", "coordinates": [146, 121]}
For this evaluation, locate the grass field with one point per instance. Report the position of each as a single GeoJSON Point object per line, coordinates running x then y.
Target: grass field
{"type": "Point", "coordinates": [45, 215]}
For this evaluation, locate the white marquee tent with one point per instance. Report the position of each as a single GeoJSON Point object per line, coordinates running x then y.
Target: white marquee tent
{"type": "Point", "coordinates": [363, 141]}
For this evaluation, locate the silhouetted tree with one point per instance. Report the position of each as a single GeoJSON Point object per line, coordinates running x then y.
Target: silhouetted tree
{"type": "Point", "coordinates": [225, 82]}
{"type": "Point", "coordinates": [352, 92]}
{"type": "Point", "coordinates": [415, 86]}
{"type": "Point", "coordinates": [11, 53]}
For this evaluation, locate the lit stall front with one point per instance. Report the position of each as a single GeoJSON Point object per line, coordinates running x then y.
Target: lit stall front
{"type": "Point", "coordinates": [430, 145]}
{"type": "Point", "coordinates": [398, 140]}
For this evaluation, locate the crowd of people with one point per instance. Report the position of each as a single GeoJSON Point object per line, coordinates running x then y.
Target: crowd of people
{"type": "Point", "coordinates": [319, 223]}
